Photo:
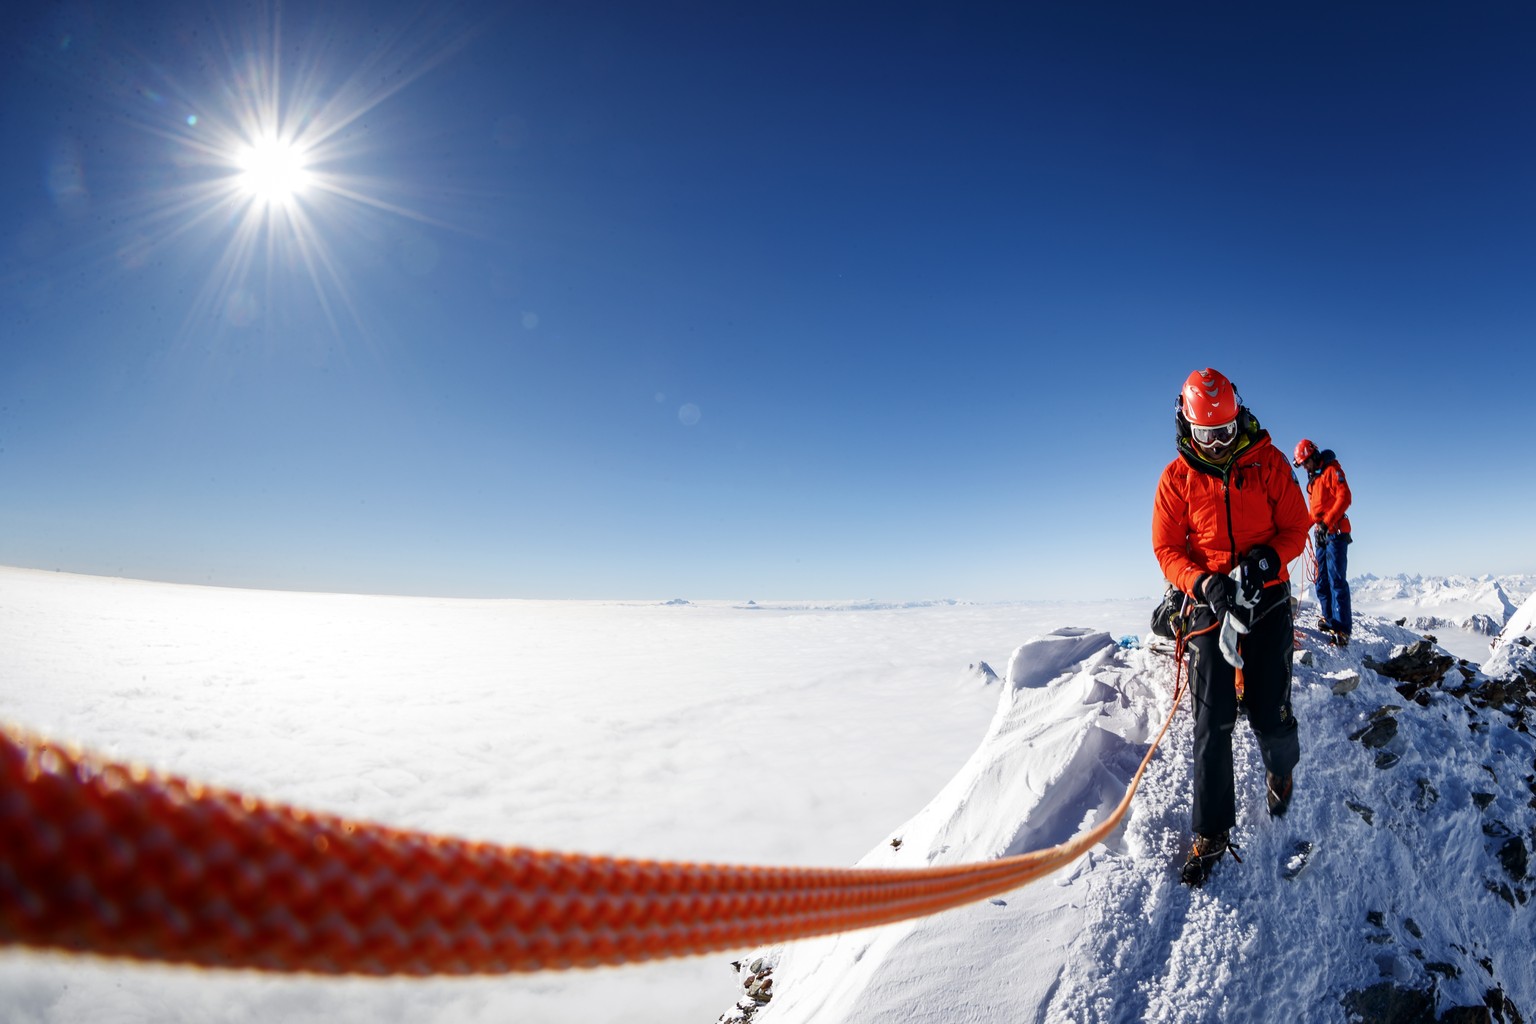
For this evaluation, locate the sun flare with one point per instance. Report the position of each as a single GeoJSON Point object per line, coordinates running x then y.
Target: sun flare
{"type": "Point", "coordinates": [279, 164]}
{"type": "Point", "coordinates": [273, 171]}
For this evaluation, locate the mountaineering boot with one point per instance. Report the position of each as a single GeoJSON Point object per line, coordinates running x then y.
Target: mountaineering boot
{"type": "Point", "coordinates": [1206, 852]}
{"type": "Point", "coordinates": [1277, 792]}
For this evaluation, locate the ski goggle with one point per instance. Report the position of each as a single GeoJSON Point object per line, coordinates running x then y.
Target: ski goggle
{"type": "Point", "coordinates": [1218, 436]}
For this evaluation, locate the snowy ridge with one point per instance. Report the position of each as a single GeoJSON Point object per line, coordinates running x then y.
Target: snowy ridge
{"type": "Point", "coordinates": [1479, 604]}
{"type": "Point", "coordinates": [1514, 654]}
{"type": "Point", "coordinates": [1439, 589]}
{"type": "Point", "coordinates": [1520, 624]}
{"type": "Point", "coordinates": [1417, 885]}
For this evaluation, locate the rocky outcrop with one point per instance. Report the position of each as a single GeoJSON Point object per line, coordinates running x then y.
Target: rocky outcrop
{"type": "Point", "coordinates": [1423, 673]}
{"type": "Point", "coordinates": [756, 976]}
{"type": "Point", "coordinates": [1415, 667]}
{"type": "Point", "coordinates": [1387, 1003]}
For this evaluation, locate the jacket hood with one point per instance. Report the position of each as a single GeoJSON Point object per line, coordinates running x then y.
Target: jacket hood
{"type": "Point", "coordinates": [1325, 458]}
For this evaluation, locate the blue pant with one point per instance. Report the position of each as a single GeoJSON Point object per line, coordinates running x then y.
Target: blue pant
{"type": "Point", "coordinates": [1333, 582]}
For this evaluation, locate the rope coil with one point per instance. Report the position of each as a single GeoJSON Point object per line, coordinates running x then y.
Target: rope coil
{"type": "Point", "coordinates": [105, 858]}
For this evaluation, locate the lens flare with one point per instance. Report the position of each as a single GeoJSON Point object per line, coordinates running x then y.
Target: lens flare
{"type": "Point", "coordinates": [273, 172]}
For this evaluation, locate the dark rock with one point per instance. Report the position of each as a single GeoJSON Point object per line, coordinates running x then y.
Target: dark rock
{"type": "Point", "coordinates": [1427, 795]}
{"type": "Point", "coordinates": [1360, 809]}
{"type": "Point", "coordinates": [1512, 693]}
{"type": "Point", "coordinates": [1376, 918]}
{"type": "Point", "coordinates": [1386, 759]}
{"type": "Point", "coordinates": [1465, 1015]}
{"type": "Point", "coordinates": [1482, 800]}
{"type": "Point", "coordinates": [1378, 734]}
{"type": "Point", "coordinates": [1413, 927]}
{"type": "Point", "coordinates": [1501, 1007]}
{"type": "Point", "coordinates": [1515, 857]}
{"type": "Point", "coordinates": [1417, 665]}
{"type": "Point", "coordinates": [1385, 1003]}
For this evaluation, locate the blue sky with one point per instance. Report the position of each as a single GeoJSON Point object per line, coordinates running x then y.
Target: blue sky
{"type": "Point", "coordinates": [751, 300]}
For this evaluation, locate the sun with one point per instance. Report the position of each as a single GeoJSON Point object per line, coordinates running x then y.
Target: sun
{"type": "Point", "coordinates": [275, 164]}
{"type": "Point", "coordinates": [273, 171]}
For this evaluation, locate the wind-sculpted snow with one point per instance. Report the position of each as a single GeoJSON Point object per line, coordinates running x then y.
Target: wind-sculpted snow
{"type": "Point", "coordinates": [1522, 624]}
{"type": "Point", "coordinates": [1400, 864]}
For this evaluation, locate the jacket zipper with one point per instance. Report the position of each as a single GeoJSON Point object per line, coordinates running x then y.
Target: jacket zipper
{"type": "Point", "coordinates": [1226, 499]}
{"type": "Point", "coordinates": [1227, 482]}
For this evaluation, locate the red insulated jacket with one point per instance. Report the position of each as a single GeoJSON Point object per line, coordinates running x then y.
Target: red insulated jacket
{"type": "Point", "coordinates": [1329, 494]}
{"type": "Point", "coordinates": [1206, 516]}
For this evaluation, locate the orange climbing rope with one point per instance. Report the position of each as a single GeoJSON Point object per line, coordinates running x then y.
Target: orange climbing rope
{"type": "Point", "coordinates": [99, 857]}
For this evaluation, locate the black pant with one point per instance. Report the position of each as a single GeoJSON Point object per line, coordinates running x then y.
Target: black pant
{"type": "Point", "coordinates": [1266, 651]}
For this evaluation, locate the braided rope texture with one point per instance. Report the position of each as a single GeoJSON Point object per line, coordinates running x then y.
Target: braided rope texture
{"type": "Point", "coordinates": [104, 858]}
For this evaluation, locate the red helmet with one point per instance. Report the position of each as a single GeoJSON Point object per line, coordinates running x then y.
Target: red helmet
{"type": "Point", "coordinates": [1210, 405]}
{"type": "Point", "coordinates": [1304, 450]}
{"type": "Point", "coordinates": [1208, 399]}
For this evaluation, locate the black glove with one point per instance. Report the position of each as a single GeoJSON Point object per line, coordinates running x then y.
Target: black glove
{"type": "Point", "coordinates": [1258, 567]}
{"type": "Point", "coordinates": [1319, 535]}
{"type": "Point", "coordinates": [1217, 589]}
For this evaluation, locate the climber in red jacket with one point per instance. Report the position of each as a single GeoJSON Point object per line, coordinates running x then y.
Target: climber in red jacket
{"type": "Point", "coordinates": [1227, 520]}
{"type": "Point", "coordinates": [1329, 494]}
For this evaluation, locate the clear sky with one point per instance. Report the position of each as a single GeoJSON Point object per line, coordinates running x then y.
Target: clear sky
{"type": "Point", "coordinates": [688, 299]}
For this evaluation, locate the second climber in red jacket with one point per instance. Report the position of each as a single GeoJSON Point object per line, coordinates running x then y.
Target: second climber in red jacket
{"type": "Point", "coordinates": [1329, 495]}
{"type": "Point", "coordinates": [1227, 520]}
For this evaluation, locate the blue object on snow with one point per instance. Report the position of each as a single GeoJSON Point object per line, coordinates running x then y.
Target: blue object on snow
{"type": "Point", "coordinates": [1129, 643]}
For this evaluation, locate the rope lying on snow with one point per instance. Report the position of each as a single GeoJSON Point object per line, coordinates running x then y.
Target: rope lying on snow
{"type": "Point", "coordinates": [100, 857]}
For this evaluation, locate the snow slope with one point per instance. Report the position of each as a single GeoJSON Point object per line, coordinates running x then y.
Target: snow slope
{"type": "Point", "coordinates": [774, 733]}
{"type": "Point", "coordinates": [1405, 883]}
{"type": "Point", "coordinates": [1521, 624]}
{"type": "Point", "coordinates": [796, 733]}
{"type": "Point", "coordinates": [1514, 653]}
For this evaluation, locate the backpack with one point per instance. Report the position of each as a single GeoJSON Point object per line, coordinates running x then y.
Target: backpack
{"type": "Point", "coordinates": [1169, 618]}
